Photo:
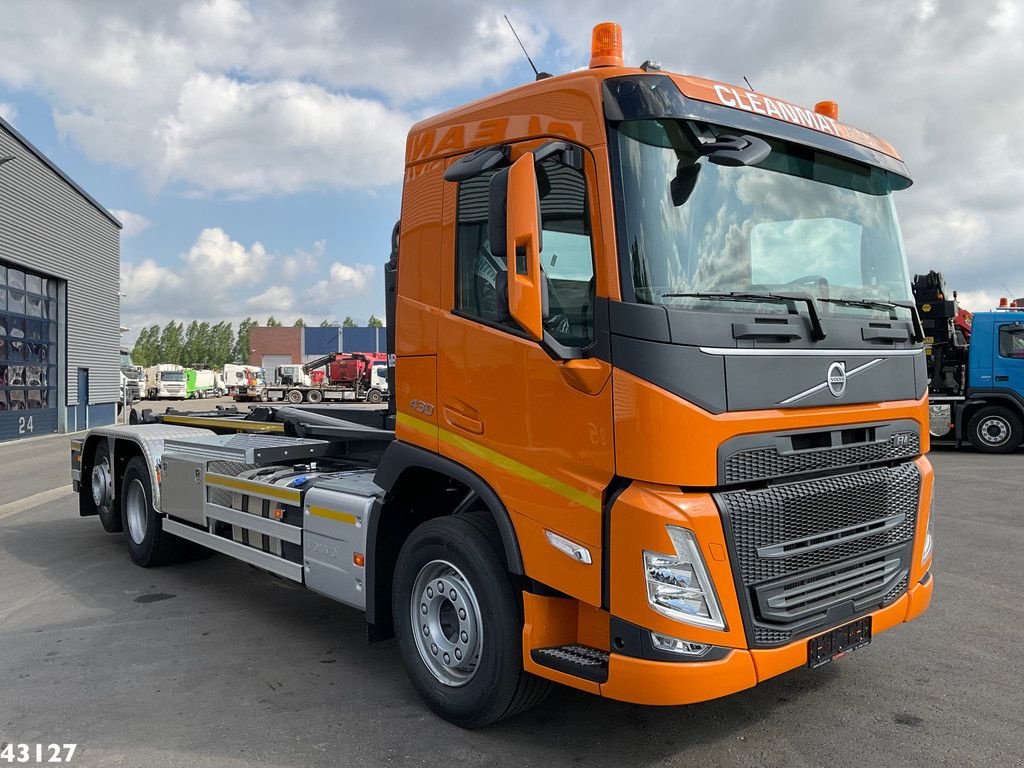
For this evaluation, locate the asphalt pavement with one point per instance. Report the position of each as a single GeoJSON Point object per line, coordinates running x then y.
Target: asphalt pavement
{"type": "Point", "coordinates": [212, 663]}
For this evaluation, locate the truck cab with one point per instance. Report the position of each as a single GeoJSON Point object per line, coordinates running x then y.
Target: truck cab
{"type": "Point", "coordinates": [657, 425]}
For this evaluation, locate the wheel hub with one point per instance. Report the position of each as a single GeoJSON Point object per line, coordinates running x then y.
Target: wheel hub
{"type": "Point", "coordinates": [994, 431]}
{"type": "Point", "coordinates": [446, 623]}
{"type": "Point", "coordinates": [101, 483]}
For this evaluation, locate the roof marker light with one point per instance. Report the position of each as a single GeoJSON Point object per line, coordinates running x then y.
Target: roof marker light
{"type": "Point", "coordinates": [606, 45]}
{"type": "Point", "coordinates": [828, 109]}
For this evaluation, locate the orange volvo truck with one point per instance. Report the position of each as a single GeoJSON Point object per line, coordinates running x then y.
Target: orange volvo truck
{"type": "Point", "coordinates": [659, 416]}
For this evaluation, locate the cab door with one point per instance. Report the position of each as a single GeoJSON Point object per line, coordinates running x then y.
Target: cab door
{"type": "Point", "coordinates": [1008, 363]}
{"type": "Point", "coordinates": [508, 409]}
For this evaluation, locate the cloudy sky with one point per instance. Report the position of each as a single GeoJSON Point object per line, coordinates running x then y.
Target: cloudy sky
{"type": "Point", "coordinates": [254, 150]}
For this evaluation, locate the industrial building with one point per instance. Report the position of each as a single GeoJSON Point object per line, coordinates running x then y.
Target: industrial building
{"type": "Point", "coordinates": [59, 306]}
{"type": "Point", "coordinates": [285, 345]}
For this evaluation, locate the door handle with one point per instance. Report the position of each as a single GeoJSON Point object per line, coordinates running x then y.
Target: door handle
{"type": "Point", "coordinates": [463, 421]}
{"type": "Point", "coordinates": [1002, 378]}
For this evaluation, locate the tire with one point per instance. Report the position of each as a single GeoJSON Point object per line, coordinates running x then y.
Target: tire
{"type": "Point", "coordinates": [994, 429]}
{"type": "Point", "coordinates": [374, 396]}
{"type": "Point", "coordinates": [465, 554]}
{"type": "Point", "coordinates": [264, 396]}
{"type": "Point", "coordinates": [102, 485]}
{"type": "Point", "coordinates": [294, 396]}
{"type": "Point", "coordinates": [148, 545]}
{"type": "Point", "coordinates": [314, 396]}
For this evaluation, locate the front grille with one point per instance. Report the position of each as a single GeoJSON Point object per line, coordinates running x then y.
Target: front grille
{"type": "Point", "coordinates": [778, 459]}
{"type": "Point", "coordinates": [803, 551]}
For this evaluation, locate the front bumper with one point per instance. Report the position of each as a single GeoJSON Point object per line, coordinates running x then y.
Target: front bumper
{"type": "Point", "coordinates": [641, 681]}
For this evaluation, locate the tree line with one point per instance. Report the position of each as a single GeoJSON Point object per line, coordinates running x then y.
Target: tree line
{"type": "Point", "coordinates": [211, 345]}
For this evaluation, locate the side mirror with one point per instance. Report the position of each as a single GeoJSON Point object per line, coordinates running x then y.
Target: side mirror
{"type": "Point", "coordinates": [523, 246]}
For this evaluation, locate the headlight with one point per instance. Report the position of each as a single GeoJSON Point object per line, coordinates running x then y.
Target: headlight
{"type": "Point", "coordinates": [678, 586]}
{"type": "Point", "coordinates": [926, 551]}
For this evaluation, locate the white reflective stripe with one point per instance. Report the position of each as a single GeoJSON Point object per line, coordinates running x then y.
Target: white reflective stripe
{"type": "Point", "coordinates": [755, 352]}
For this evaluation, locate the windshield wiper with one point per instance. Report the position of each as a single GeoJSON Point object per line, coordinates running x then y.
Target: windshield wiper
{"type": "Point", "coordinates": [817, 331]}
{"type": "Point", "coordinates": [886, 306]}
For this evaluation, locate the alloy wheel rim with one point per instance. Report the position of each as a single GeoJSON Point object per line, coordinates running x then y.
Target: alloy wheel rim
{"type": "Point", "coordinates": [446, 625]}
{"type": "Point", "coordinates": [135, 505]}
{"type": "Point", "coordinates": [994, 430]}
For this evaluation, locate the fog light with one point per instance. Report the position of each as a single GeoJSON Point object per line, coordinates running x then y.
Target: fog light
{"type": "Point", "coordinates": [675, 645]}
{"type": "Point", "coordinates": [678, 586]}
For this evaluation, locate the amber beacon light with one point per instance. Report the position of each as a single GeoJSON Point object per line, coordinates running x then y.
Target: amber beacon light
{"type": "Point", "coordinates": [606, 45]}
{"type": "Point", "coordinates": [828, 109]}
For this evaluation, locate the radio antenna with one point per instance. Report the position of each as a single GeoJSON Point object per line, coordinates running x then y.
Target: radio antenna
{"type": "Point", "coordinates": [540, 75]}
{"type": "Point", "coordinates": [748, 84]}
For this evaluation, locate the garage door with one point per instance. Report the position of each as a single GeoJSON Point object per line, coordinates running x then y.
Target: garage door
{"type": "Point", "coordinates": [28, 353]}
{"type": "Point", "coordinates": [270, 363]}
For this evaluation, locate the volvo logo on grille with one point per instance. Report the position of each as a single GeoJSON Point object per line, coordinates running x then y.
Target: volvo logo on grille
{"type": "Point", "coordinates": [836, 378]}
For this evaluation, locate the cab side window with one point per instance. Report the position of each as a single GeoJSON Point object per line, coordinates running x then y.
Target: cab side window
{"type": "Point", "coordinates": [1011, 342]}
{"type": "Point", "coordinates": [480, 281]}
{"type": "Point", "coordinates": [567, 257]}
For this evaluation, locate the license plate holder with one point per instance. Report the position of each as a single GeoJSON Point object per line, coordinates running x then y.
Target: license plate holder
{"type": "Point", "coordinates": [838, 642]}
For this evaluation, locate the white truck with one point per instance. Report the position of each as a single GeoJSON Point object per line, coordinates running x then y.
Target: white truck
{"type": "Point", "coordinates": [291, 374]}
{"type": "Point", "coordinates": [165, 381]}
{"type": "Point", "coordinates": [244, 382]}
{"type": "Point", "coordinates": [378, 391]}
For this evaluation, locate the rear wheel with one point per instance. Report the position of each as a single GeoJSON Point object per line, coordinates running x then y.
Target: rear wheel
{"type": "Point", "coordinates": [459, 620]}
{"type": "Point", "coordinates": [314, 396]}
{"type": "Point", "coordinates": [995, 429]}
{"type": "Point", "coordinates": [294, 396]}
{"type": "Point", "coordinates": [148, 544]}
{"type": "Point", "coordinates": [102, 483]}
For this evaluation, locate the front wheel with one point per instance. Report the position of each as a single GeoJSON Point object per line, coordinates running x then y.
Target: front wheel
{"type": "Point", "coordinates": [295, 396]}
{"type": "Point", "coordinates": [459, 621]}
{"type": "Point", "coordinates": [315, 396]}
{"type": "Point", "coordinates": [374, 396]}
{"type": "Point", "coordinates": [994, 429]}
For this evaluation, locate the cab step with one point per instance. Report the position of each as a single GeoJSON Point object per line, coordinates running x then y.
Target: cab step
{"type": "Point", "coordinates": [576, 660]}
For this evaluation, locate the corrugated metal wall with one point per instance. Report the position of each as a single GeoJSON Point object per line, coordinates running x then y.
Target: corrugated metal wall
{"type": "Point", "coordinates": [48, 226]}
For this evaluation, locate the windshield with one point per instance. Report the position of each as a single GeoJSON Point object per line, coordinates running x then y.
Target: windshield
{"type": "Point", "coordinates": [801, 220]}
{"type": "Point", "coordinates": [172, 376]}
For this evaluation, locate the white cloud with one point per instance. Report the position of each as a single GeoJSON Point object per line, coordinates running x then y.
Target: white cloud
{"type": "Point", "coordinates": [245, 98]}
{"type": "Point", "coordinates": [217, 260]}
{"type": "Point", "coordinates": [8, 112]}
{"type": "Point", "coordinates": [133, 223]}
{"type": "Point", "coordinates": [977, 301]}
{"type": "Point", "coordinates": [344, 282]}
{"type": "Point", "coordinates": [219, 278]}
{"type": "Point", "coordinates": [277, 298]}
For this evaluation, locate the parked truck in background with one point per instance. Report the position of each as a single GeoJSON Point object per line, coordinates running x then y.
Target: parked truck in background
{"type": "Point", "coordinates": [658, 419]}
{"type": "Point", "coordinates": [345, 376]}
{"type": "Point", "coordinates": [165, 381]}
{"type": "Point", "coordinates": [199, 383]}
{"type": "Point", "coordinates": [975, 369]}
{"type": "Point", "coordinates": [378, 390]}
{"type": "Point", "coordinates": [244, 382]}
{"type": "Point", "coordinates": [133, 378]}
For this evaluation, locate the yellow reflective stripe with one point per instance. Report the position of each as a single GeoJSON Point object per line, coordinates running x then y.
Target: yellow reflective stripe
{"type": "Point", "coordinates": [502, 461]}
{"type": "Point", "coordinates": [419, 425]}
{"type": "Point", "coordinates": [290, 495]}
{"type": "Point", "coordinates": [241, 426]}
{"type": "Point", "coordinates": [330, 514]}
